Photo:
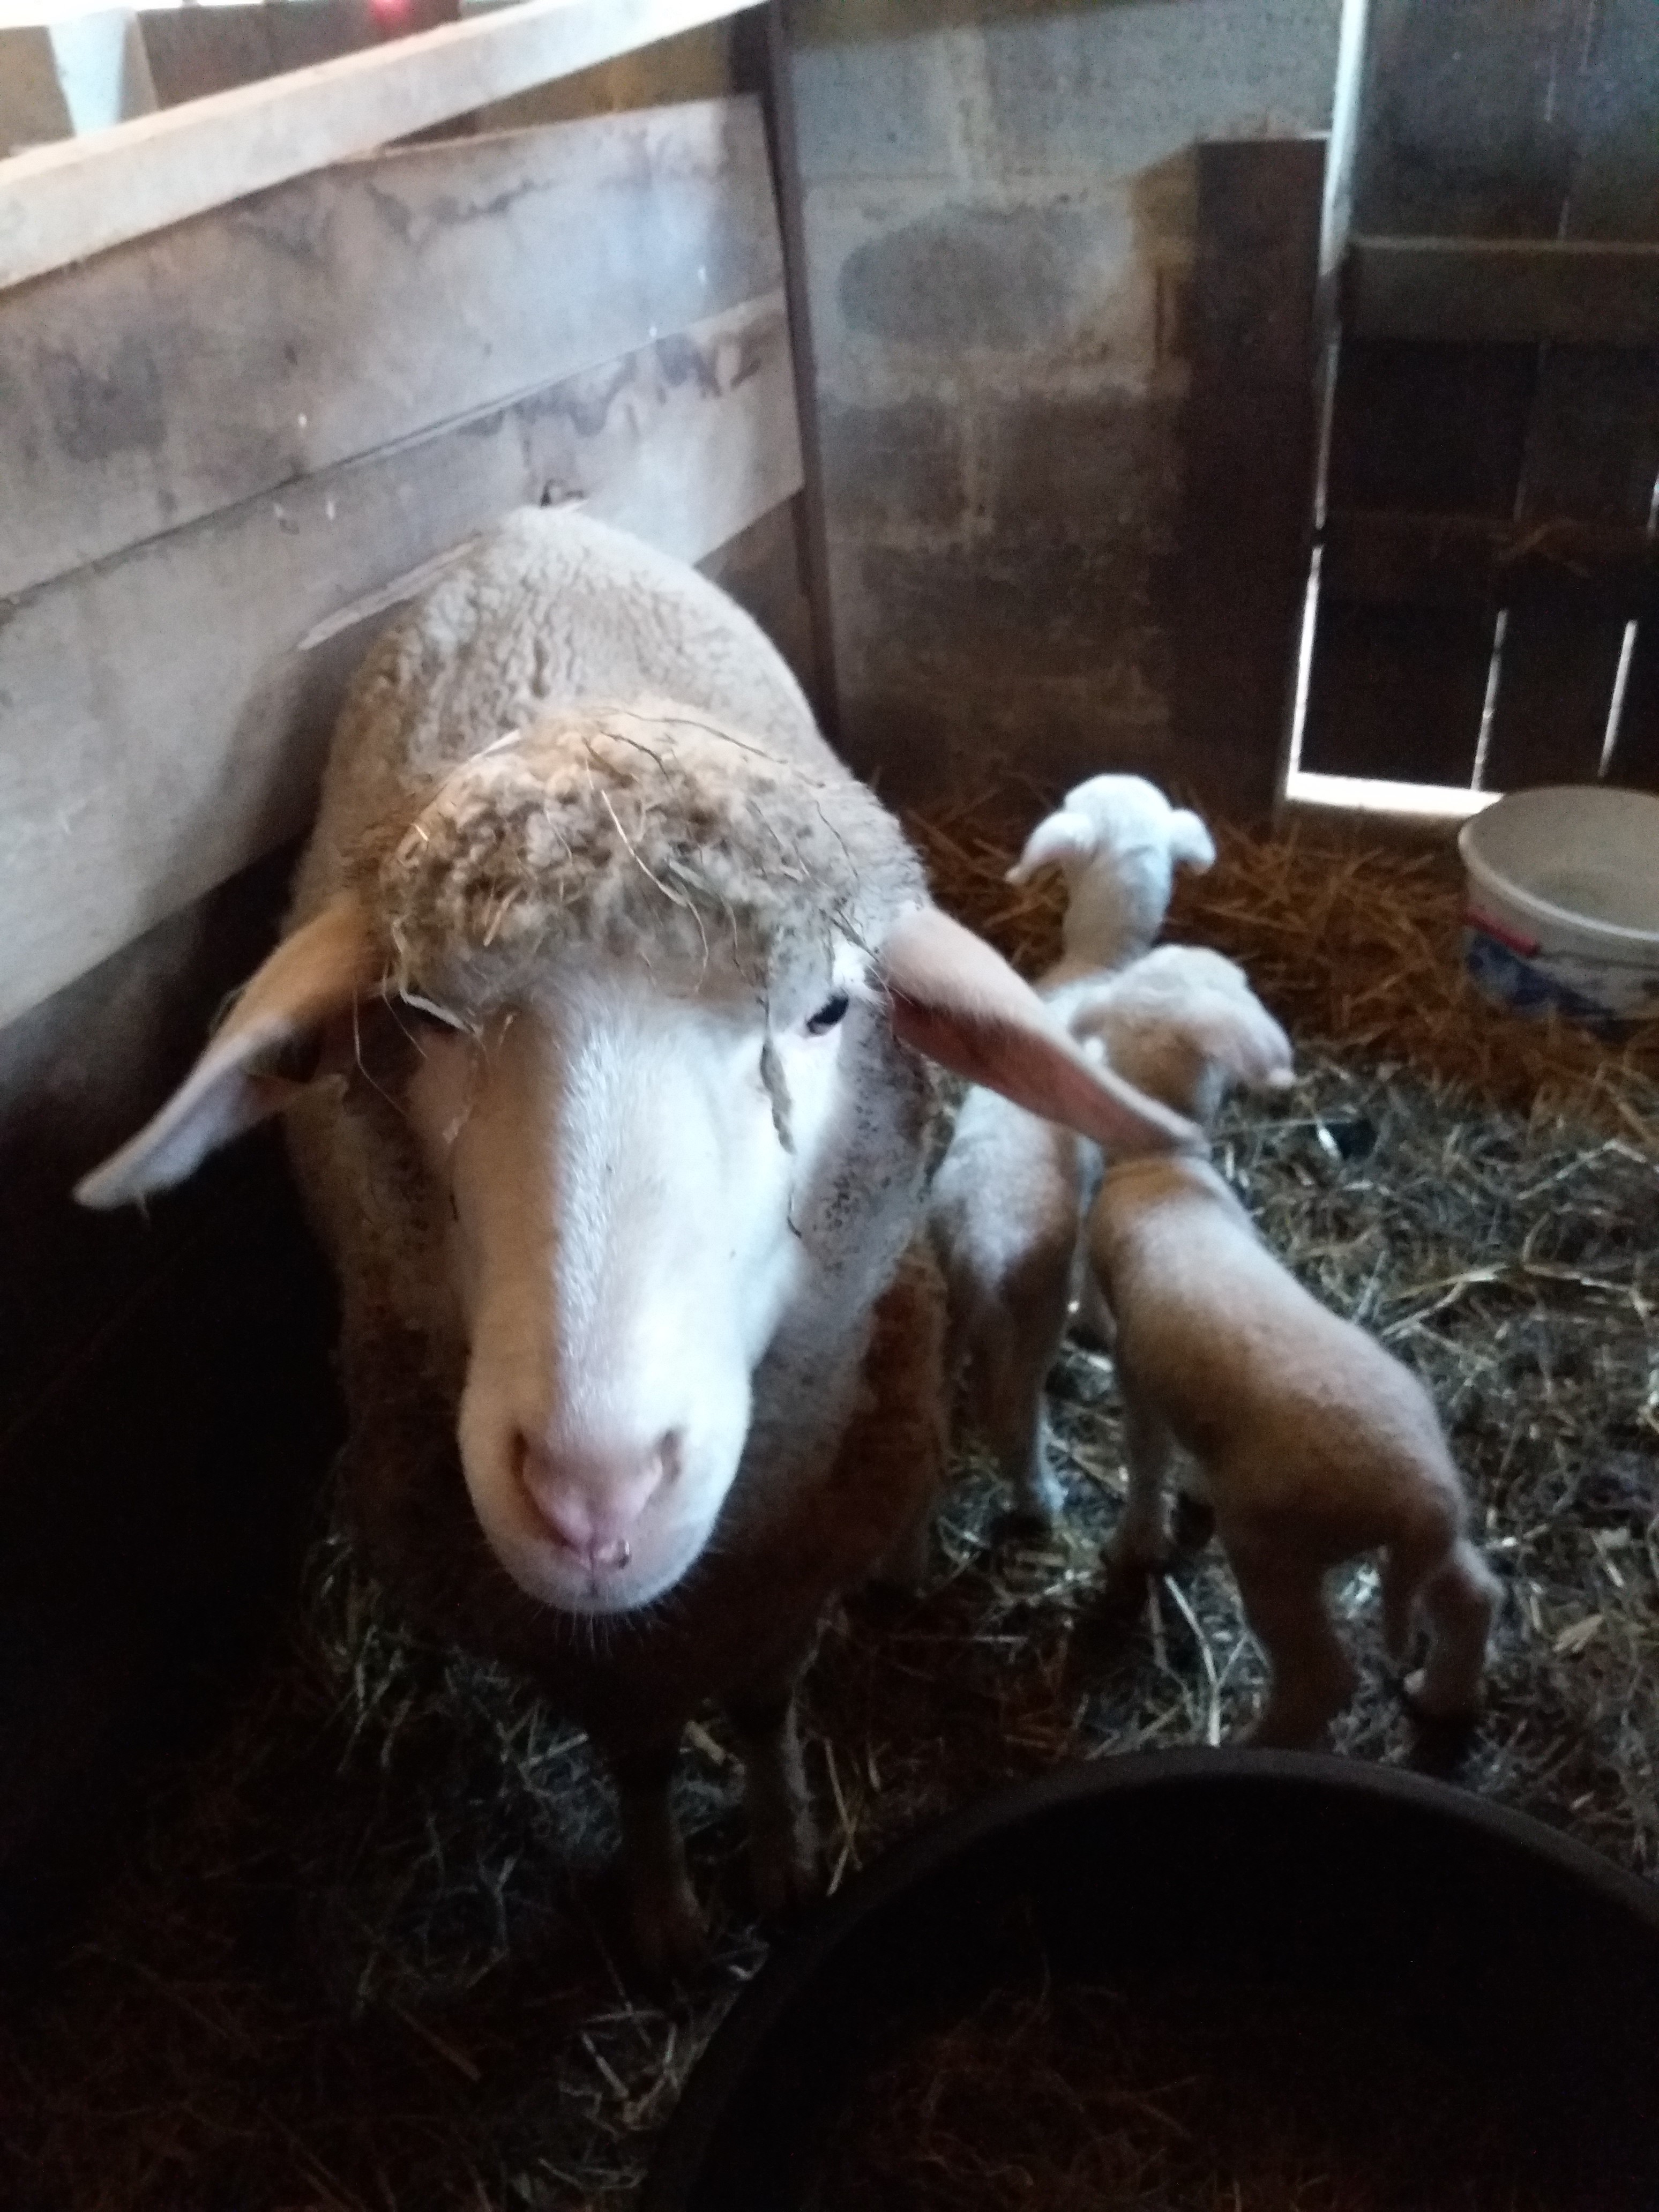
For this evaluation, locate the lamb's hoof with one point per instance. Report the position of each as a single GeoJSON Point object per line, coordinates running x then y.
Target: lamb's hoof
{"type": "Point", "coordinates": [1022, 1523]}
{"type": "Point", "coordinates": [1441, 1713]}
{"type": "Point", "coordinates": [1129, 1567]}
{"type": "Point", "coordinates": [786, 1871]}
{"type": "Point", "coordinates": [1195, 1521]}
{"type": "Point", "coordinates": [1288, 1732]}
{"type": "Point", "coordinates": [671, 1937]}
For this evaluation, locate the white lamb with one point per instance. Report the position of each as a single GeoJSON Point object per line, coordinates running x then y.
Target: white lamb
{"type": "Point", "coordinates": [1008, 1203]}
{"type": "Point", "coordinates": [1118, 842]}
{"type": "Point", "coordinates": [600, 1017]}
{"type": "Point", "coordinates": [1314, 1446]}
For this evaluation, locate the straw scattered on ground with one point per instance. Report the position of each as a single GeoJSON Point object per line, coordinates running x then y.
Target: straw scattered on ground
{"type": "Point", "coordinates": [1070, 2098]}
{"type": "Point", "coordinates": [361, 1954]}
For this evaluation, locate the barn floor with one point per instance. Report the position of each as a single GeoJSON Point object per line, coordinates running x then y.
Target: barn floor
{"type": "Point", "coordinates": [360, 1956]}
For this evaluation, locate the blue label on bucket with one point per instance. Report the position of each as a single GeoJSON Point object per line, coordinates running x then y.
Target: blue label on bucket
{"type": "Point", "coordinates": [1530, 989]}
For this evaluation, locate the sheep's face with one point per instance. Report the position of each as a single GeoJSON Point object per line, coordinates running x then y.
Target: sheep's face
{"type": "Point", "coordinates": [628, 1174]}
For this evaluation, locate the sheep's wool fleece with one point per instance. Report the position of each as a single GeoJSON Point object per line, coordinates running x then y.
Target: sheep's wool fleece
{"type": "Point", "coordinates": [638, 832]}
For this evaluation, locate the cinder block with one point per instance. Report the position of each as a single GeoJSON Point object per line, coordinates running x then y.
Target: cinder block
{"type": "Point", "coordinates": [1103, 472]}
{"type": "Point", "coordinates": [1119, 87]}
{"type": "Point", "coordinates": [971, 275]}
{"type": "Point", "coordinates": [59, 80]}
{"type": "Point", "coordinates": [874, 97]}
{"type": "Point", "coordinates": [895, 468]}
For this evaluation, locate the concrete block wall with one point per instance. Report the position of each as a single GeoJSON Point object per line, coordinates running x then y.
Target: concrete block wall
{"type": "Point", "coordinates": [999, 202]}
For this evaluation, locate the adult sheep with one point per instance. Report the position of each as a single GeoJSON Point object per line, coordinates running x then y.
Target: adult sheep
{"type": "Point", "coordinates": [599, 1018]}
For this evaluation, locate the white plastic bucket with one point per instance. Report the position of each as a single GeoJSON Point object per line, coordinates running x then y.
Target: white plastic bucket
{"type": "Point", "coordinates": [1563, 904]}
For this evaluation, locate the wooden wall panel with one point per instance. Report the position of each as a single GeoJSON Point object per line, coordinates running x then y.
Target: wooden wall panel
{"type": "Point", "coordinates": [165, 727]}
{"type": "Point", "coordinates": [62, 203]}
{"type": "Point", "coordinates": [335, 315]}
{"type": "Point", "coordinates": [1491, 119]}
{"type": "Point", "coordinates": [1460, 134]}
{"type": "Point", "coordinates": [1593, 442]}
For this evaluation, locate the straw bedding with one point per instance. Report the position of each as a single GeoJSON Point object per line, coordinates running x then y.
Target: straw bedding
{"type": "Point", "coordinates": [361, 1956]}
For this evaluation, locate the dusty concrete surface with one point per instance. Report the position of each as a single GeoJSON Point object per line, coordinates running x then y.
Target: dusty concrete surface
{"type": "Point", "coordinates": [1000, 205]}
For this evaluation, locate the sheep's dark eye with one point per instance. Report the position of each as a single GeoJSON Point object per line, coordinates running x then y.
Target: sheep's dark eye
{"type": "Point", "coordinates": [828, 1015]}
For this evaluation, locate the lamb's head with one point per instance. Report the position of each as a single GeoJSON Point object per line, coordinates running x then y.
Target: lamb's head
{"type": "Point", "coordinates": [628, 1011]}
{"type": "Point", "coordinates": [1182, 1024]}
{"type": "Point", "coordinates": [1117, 840]}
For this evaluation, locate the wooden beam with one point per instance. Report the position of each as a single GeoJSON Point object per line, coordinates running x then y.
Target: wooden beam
{"type": "Point", "coordinates": [1250, 436]}
{"type": "Point", "coordinates": [1505, 291]}
{"type": "Point", "coordinates": [168, 710]}
{"type": "Point", "coordinates": [60, 203]}
{"type": "Point", "coordinates": [1474, 561]}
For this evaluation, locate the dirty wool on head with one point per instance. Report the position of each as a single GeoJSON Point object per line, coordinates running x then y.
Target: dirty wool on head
{"type": "Point", "coordinates": [640, 830]}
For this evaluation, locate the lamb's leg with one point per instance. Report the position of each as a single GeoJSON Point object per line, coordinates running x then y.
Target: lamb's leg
{"type": "Point", "coordinates": [1458, 1600]}
{"type": "Point", "coordinates": [783, 1843]}
{"type": "Point", "coordinates": [1140, 1542]}
{"type": "Point", "coordinates": [1311, 1676]}
{"type": "Point", "coordinates": [1009, 1376]}
{"type": "Point", "coordinates": [667, 1925]}
{"type": "Point", "coordinates": [1094, 1324]}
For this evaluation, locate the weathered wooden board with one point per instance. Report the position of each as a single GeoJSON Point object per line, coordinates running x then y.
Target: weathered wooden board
{"type": "Point", "coordinates": [339, 314]}
{"type": "Point", "coordinates": [161, 724]}
{"type": "Point", "coordinates": [1593, 442]}
{"type": "Point", "coordinates": [1635, 749]}
{"type": "Point", "coordinates": [60, 203]}
{"type": "Point", "coordinates": [1250, 438]}
{"type": "Point", "coordinates": [1463, 132]}
{"type": "Point", "coordinates": [1399, 559]}
{"type": "Point", "coordinates": [1502, 291]}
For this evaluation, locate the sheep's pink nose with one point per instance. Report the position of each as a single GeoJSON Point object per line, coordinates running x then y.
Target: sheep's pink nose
{"type": "Point", "coordinates": [590, 1501]}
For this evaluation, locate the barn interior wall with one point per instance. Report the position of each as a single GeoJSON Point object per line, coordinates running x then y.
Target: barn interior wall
{"type": "Point", "coordinates": [1000, 205]}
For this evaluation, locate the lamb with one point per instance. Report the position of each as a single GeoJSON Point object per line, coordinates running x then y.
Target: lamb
{"type": "Point", "coordinates": [602, 1030]}
{"type": "Point", "coordinates": [1314, 1445]}
{"type": "Point", "coordinates": [1007, 1206]}
{"type": "Point", "coordinates": [1117, 840]}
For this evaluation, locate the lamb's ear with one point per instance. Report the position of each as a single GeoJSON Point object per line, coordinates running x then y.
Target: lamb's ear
{"type": "Point", "coordinates": [1190, 841]}
{"type": "Point", "coordinates": [1238, 1035]}
{"type": "Point", "coordinates": [959, 1002]}
{"type": "Point", "coordinates": [1057, 839]}
{"type": "Point", "coordinates": [314, 973]}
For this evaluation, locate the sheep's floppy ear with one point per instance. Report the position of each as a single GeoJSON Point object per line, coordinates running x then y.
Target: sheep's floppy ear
{"type": "Point", "coordinates": [1190, 841]}
{"type": "Point", "coordinates": [1238, 1035]}
{"type": "Point", "coordinates": [960, 1003]}
{"type": "Point", "coordinates": [314, 973]}
{"type": "Point", "coordinates": [1057, 839]}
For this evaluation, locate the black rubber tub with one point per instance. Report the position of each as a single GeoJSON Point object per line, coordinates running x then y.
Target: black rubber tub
{"type": "Point", "coordinates": [1533, 1963]}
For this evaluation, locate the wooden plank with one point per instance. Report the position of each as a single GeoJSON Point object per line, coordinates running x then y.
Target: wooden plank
{"type": "Point", "coordinates": [59, 203]}
{"type": "Point", "coordinates": [161, 727]}
{"type": "Point", "coordinates": [1479, 562]}
{"type": "Point", "coordinates": [1460, 134]}
{"type": "Point", "coordinates": [1635, 760]}
{"type": "Point", "coordinates": [1593, 443]}
{"type": "Point", "coordinates": [1502, 291]}
{"type": "Point", "coordinates": [1247, 504]}
{"type": "Point", "coordinates": [180, 374]}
